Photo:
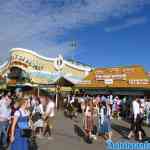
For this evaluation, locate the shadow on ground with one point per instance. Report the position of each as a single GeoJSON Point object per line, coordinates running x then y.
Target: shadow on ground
{"type": "Point", "coordinates": [33, 144]}
{"type": "Point", "coordinates": [123, 131]}
{"type": "Point", "coordinates": [79, 132]}
{"type": "Point", "coordinates": [64, 134]}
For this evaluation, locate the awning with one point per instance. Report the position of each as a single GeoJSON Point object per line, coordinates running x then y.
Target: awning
{"type": "Point", "coordinates": [62, 81]}
{"type": "Point", "coordinates": [117, 91]}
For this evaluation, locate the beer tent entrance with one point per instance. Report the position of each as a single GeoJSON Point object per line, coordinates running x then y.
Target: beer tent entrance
{"type": "Point", "coordinates": [60, 83]}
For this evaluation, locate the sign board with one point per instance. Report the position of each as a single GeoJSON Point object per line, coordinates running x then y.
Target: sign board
{"type": "Point", "coordinates": [111, 76]}
{"type": "Point", "coordinates": [86, 82]}
{"type": "Point", "coordinates": [108, 81]}
{"type": "Point", "coordinates": [141, 81]}
{"type": "Point", "coordinates": [25, 62]}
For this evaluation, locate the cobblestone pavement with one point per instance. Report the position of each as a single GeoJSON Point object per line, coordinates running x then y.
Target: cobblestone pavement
{"type": "Point", "coordinates": [64, 137]}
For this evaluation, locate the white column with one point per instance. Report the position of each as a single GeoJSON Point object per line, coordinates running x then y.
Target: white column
{"type": "Point", "coordinates": [38, 91]}
{"type": "Point", "coordinates": [56, 100]}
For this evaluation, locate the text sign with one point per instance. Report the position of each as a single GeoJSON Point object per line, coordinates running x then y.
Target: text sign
{"type": "Point", "coordinates": [108, 81]}
{"type": "Point", "coordinates": [113, 77]}
{"type": "Point", "coordinates": [144, 81]}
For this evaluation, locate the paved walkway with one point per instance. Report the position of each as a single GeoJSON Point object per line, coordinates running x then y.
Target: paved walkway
{"type": "Point", "coordinates": [64, 137]}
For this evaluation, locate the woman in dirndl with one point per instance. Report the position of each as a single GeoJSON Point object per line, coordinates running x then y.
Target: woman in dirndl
{"type": "Point", "coordinates": [88, 122]}
{"type": "Point", "coordinates": [20, 121]}
{"type": "Point", "coordinates": [38, 112]}
{"type": "Point", "coordinates": [104, 120]}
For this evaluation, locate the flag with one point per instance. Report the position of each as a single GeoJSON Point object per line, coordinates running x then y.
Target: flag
{"type": "Point", "coordinates": [73, 44]}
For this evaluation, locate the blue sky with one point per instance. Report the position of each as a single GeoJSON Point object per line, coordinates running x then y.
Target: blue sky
{"type": "Point", "coordinates": [107, 32]}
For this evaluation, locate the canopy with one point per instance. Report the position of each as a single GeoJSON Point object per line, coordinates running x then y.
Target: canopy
{"type": "Point", "coordinates": [62, 81]}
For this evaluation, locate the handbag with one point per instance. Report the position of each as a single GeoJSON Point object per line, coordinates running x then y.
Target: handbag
{"type": "Point", "coordinates": [36, 116]}
{"type": "Point", "coordinates": [26, 132]}
{"type": "Point", "coordinates": [94, 131]}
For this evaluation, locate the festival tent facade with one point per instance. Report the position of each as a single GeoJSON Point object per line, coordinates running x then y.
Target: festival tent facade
{"type": "Point", "coordinates": [42, 70]}
{"type": "Point", "coordinates": [131, 80]}
{"type": "Point", "coordinates": [27, 68]}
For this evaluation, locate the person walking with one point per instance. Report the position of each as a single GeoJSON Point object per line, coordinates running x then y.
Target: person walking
{"type": "Point", "coordinates": [95, 118]}
{"type": "Point", "coordinates": [135, 120]}
{"type": "Point", "coordinates": [117, 103]}
{"type": "Point", "coordinates": [20, 122]}
{"type": "Point", "coordinates": [49, 118]}
{"type": "Point", "coordinates": [88, 123]}
{"type": "Point", "coordinates": [104, 121]}
{"type": "Point", "coordinates": [38, 123]}
{"type": "Point", "coordinates": [147, 111]}
{"type": "Point", "coordinates": [139, 123]}
{"type": "Point", "coordinates": [5, 117]}
{"type": "Point", "coordinates": [83, 105]}
{"type": "Point", "coordinates": [124, 106]}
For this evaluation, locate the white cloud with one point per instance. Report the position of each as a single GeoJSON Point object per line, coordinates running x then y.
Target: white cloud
{"type": "Point", "coordinates": [35, 24]}
{"type": "Point", "coordinates": [127, 23]}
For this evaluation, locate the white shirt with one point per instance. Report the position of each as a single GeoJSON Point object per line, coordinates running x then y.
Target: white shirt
{"type": "Point", "coordinates": [103, 115]}
{"type": "Point", "coordinates": [83, 106]}
{"type": "Point", "coordinates": [147, 106]}
{"type": "Point", "coordinates": [39, 109]}
{"type": "Point", "coordinates": [51, 109]}
{"type": "Point", "coordinates": [124, 100]}
{"type": "Point", "coordinates": [72, 100]}
{"type": "Point", "coordinates": [33, 102]}
{"type": "Point", "coordinates": [136, 108]}
{"type": "Point", "coordinates": [21, 112]}
{"type": "Point", "coordinates": [142, 102]}
{"type": "Point", "coordinates": [111, 99]}
{"type": "Point", "coordinates": [5, 111]}
{"type": "Point", "coordinates": [103, 98]}
{"type": "Point", "coordinates": [81, 100]}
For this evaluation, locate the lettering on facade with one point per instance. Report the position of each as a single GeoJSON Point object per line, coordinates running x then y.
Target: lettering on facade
{"type": "Point", "coordinates": [114, 77]}
{"type": "Point", "coordinates": [128, 70]}
{"type": "Point", "coordinates": [27, 61]}
{"type": "Point", "coordinates": [108, 81]}
{"type": "Point", "coordinates": [138, 82]}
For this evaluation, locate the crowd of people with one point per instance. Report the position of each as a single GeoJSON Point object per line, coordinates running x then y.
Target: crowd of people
{"type": "Point", "coordinates": [23, 116]}
{"type": "Point", "coordinates": [98, 111]}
